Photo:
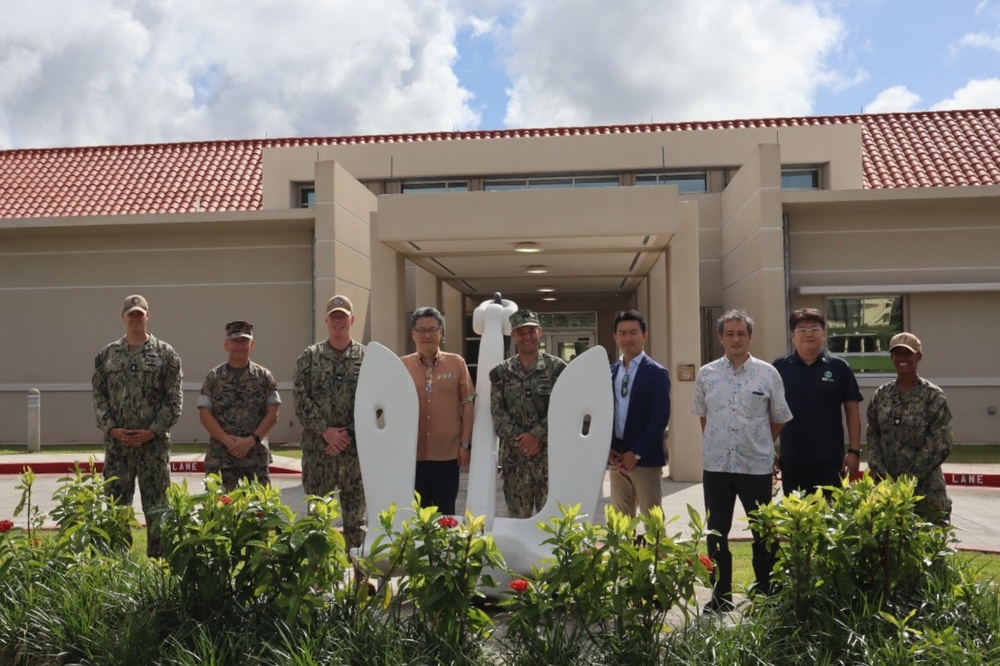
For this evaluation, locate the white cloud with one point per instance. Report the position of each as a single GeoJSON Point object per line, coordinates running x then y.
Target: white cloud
{"type": "Point", "coordinates": [979, 94]}
{"type": "Point", "coordinates": [121, 71]}
{"type": "Point", "coordinates": [897, 99]}
{"type": "Point", "coordinates": [981, 40]}
{"type": "Point", "coordinates": [590, 61]}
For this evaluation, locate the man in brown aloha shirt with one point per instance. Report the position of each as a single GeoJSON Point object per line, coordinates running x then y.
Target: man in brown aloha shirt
{"type": "Point", "coordinates": [238, 406]}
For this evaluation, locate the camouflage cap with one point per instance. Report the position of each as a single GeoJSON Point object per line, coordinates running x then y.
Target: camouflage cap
{"type": "Point", "coordinates": [133, 303]}
{"type": "Point", "coordinates": [523, 318]}
{"type": "Point", "coordinates": [339, 304]}
{"type": "Point", "coordinates": [907, 340]}
{"type": "Point", "coordinates": [239, 329]}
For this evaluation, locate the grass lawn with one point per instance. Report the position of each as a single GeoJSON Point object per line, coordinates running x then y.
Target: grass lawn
{"type": "Point", "coordinates": [986, 565]}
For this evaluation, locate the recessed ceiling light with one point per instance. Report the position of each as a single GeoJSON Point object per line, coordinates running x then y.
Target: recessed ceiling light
{"type": "Point", "coordinates": [527, 248]}
{"type": "Point", "coordinates": [536, 270]}
{"type": "Point", "coordinates": [546, 289]}
{"type": "Point", "coordinates": [548, 298]}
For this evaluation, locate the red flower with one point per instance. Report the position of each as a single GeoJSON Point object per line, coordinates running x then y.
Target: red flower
{"type": "Point", "coordinates": [225, 500]}
{"type": "Point", "coordinates": [447, 522]}
{"type": "Point", "coordinates": [519, 585]}
{"type": "Point", "coordinates": [707, 562]}
{"type": "Point", "coordinates": [259, 514]}
{"type": "Point", "coordinates": [6, 526]}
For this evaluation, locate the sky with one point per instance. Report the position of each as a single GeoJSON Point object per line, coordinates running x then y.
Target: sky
{"type": "Point", "coordinates": [97, 72]}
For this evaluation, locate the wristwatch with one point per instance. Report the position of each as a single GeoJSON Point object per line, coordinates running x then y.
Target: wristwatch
{"type": "Point", "coordinates": [256, 437]}
{"type": "Point", "coordinates": [466, 445]}
{"type": "Point", "coordinates": [856, 452]}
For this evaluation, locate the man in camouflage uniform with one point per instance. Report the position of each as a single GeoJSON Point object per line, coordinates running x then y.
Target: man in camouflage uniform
{"type": "Point", "coordinates": [137, 396]}
{"type": "Point", "coordinates": [519, 402]}
{"type": "Point", "coordinates": [909, 430]}
{"type": "Point", "coordinates": [238, 406]}
{"type": "Point", "coordinates": [325, 383]}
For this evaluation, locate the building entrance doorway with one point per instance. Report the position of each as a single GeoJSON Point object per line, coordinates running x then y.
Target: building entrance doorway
{"type": "Point", "coordinates": [566, 345]}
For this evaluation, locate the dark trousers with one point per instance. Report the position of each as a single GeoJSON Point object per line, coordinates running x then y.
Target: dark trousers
{"type": "Point", "coordinates": [807, 477]}
{"type": "Point", "coordinates": [721, 490]}
{"type": "Point", "coordinates": [437, 483]}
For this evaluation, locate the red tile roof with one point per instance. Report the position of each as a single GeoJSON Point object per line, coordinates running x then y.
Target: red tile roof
{"type": "Point", "coordinates": [927, 149]}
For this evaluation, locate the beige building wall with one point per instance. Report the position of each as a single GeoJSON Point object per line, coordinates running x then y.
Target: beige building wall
{"type": "Point", "coordinates": [68, 279]}
{"type": "Point", "coordinates": [936, 249]}
{"type": "Point", "coordinates": [65, 278]}
{"type": "Point", "coordinates": [837, 148]}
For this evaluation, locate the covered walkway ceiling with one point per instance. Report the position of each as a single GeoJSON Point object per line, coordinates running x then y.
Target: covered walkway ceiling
{"type": "Point", "coordinates": [574, 267]}
{"type": "Point", "coordinates": [590, 243]}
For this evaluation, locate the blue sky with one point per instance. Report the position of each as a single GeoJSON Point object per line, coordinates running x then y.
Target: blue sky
{"type": "Point", "coordinates": [916, 54]}
{"type": "Point", "coordinates": [135, 71]}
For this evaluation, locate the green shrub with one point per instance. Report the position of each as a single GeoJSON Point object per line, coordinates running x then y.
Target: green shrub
{"type": "Point", "coordinates": [442, 566]}
{"type": "Point", "coordinates": [247, 550]}
{"type": "Point", "coordinates": [604, 595]}
{"type": "Point", "coordinates": [864, 544]}
{"type": "Point", "coordinates": [90, 521]}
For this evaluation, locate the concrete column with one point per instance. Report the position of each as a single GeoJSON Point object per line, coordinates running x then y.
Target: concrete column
{"type": "Point", "coordinates": [454, 314]}
{"type": "Point", "coordinates": [684, 346]}
{"type": "Point", "coordinates": [34, 421]}
{"type": "Point", "coordinates": [342, 244]}
{"type": "Point", "coordinates": [389, 283]}
{"type": "Point", "coordinates": [427, 289]}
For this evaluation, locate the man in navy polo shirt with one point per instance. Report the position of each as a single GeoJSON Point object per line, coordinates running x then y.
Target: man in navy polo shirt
{"type": "Point", "coordinates": [817, 387]}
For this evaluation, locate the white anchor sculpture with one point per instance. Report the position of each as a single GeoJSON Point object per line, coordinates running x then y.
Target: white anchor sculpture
{"type": "Point", "coordinates": [491, 320]}
{"type": "Point", "coordinates": [580, 421]}
{"type": "Point", "coordinates": [386, 414]}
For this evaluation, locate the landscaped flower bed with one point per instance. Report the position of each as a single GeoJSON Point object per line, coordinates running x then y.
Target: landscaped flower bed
{"type": "Point", "coordinates": [244, 580]}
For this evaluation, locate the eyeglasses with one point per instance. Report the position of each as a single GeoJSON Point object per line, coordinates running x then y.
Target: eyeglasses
{"type": "Point", "coordinates": [427, 331]}
{"type": "Point", "coordinates": [811, 329]}
{"type": "Point", "coordinates": [625, 386]}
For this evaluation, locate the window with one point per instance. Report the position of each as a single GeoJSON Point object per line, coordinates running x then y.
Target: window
{"type": "Point", "coordinates": [306, 196]}
{"type": "Point", "coordinates": [859, 330]}
{"type": "Point", "coordinates": [800, 178]}
{"type": "Point", "coordinates": [436, 186]}
{"type": "Point", "coordinates": [549, 183]}
{"type": "Point", "coordinates": [568, 320]}
{"type": "Point", "coordinates": [695, 182]}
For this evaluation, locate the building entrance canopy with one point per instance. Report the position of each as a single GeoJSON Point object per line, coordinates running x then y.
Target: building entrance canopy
{"type": "Point", "coordinates": [588, 242]}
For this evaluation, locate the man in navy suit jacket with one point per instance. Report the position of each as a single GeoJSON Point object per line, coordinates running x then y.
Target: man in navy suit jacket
{"type": "Point", "coordinates": [642, 410]}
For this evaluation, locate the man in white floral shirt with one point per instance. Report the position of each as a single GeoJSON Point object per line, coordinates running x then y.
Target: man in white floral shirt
{"type": "Point", "coordinates": [741, 402]}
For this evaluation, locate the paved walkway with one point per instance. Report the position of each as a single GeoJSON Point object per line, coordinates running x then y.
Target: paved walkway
{"type": "Point", "coordinates": [975, 514]}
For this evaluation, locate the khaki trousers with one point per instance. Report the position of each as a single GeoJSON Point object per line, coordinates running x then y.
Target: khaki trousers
{"type": "Point", "coordinates": [640, 487]}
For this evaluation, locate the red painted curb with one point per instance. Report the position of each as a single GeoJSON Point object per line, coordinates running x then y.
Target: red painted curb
{"type": "Point", "coordinates": [972, 479]}
{"type": "Point", "coordinates": [64, 467]}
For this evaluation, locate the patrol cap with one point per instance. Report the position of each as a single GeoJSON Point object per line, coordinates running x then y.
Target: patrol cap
{"type": "Point", "coordinates": [523, 318]}
{"type": "Point", "coordinates": [239, 329]}
{"type": "Point", "coordinates": [907, 340]}
{"type": "Point", "coordinates": [339, 304]}
{"type": "Point", "coordinates": [133, 303]}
